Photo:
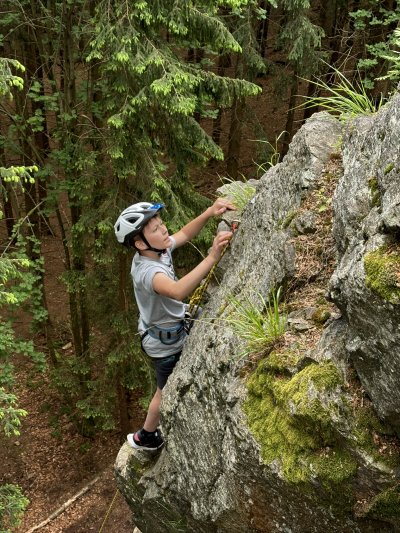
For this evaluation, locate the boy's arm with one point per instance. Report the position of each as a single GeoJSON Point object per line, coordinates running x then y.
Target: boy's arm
{"type": "Point", "coordinates": [193, 228]}
{"type": "Point", "coordinates": [179, 290]}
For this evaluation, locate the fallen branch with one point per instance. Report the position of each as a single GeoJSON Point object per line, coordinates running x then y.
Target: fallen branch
{"type": "Point", "coordinates": [64, 506]}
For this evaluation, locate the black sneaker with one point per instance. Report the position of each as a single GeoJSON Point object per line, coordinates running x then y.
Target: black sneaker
{"type": "Point", "coordinates": [152, 442]}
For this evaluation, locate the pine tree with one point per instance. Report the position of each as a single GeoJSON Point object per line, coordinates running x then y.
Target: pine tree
{"type": "Point", "coordinates": [119, 102]}
{"type": "Point", "coordinates": [18, 288]}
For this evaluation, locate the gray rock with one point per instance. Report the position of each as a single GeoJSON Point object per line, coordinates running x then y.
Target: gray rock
{"type": "Point", "coordinates": [299, 324]}
{"type": "Point", "coordinates": [211, 476]}
{"type": "Point", "coordinates": [305, 223]}
{"type": "Point", "coordinates": [370, 153]}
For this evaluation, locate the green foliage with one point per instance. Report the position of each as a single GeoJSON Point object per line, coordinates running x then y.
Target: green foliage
{"type": "Point", "coordinates": [18, 289]}
{"type": "Point", "coordinates": [8, 80]}
{"type": "Point", "coordinates": [12, 506]}
{"type": "Point", "coordinates": [259, 328]}
{"type": "Point", "coordinates": [151, 94]}
{"type": "Point", "coordinates": [343, 98]}
{"type": "Point", "coordinates": [300, 37]}
{"type": "Point", "coordinates": [392, 56]}
{"type": "Point", "coordinates": [381, 56]}
{"type": "Point", "coordinates": [17, 175]}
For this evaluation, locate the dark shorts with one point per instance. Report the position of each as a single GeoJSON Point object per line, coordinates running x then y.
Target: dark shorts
{"type": "Point", "coordinates": [164, 367]}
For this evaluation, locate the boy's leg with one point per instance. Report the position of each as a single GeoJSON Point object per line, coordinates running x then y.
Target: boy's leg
{"type": "Point", "coordinates": [153, 413]}
{"type": "Point", "coordinates": [149, 438]}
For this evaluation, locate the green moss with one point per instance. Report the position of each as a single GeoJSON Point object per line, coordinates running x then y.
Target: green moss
{"type": "Point", "coordinates": [288, 219]}
{"type": "Point", "coordinates": [386, 504]}
{"type": "Point", "coordinates": [293, 425]}
{"type": "Point", "coordinates": [283, 362]}
{"type": "Point", "coordinates": [375, 192]}
{"type": "Point", "coordinates": [333, 465]}
{"type": "Point", "coordinates": [321, 315]}
{"type": "Point", "coordinates": [382, 269]}
{"type": "Point", "coordinates": [323, 378]}
{"type": "Point", "coordinates": [368, 431]}
{"type": "Point", "coordinates": [389, 168]}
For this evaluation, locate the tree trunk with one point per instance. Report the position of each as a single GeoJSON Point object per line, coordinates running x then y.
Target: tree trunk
{"type": "Point", "coordinates": [8, 212]}
{"type": "Point", "coordinates": [123, 305]}
{"type": "Point", "coordinates": [7, 206]}
{"type": "Point", "coordinates": [41, 141]}
{"type": "Point", "coordinates": [22, 109]}
{"type": "Point", "coordinates": [78, 261]}
{"type": "Point", "coordinates": [123, 406]}
{"type": "Point", "coordinates": [290, 116]}
{"type": "Point", "coordinates": [224, 61]}
{"type": "Point", "coordinates": [235, 130]}
{"type": "Point", "coordinates": [262, 32]}
{"type": "Point", "coordinates": [235, 137]}
{"type": "Point", "coordinates": [308, 111]}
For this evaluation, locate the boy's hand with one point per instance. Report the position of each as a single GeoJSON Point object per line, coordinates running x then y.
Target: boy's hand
{"type": "Point", "coordinates": [220, 241]}
{"type": "Point", "coordinates": [220, 206]}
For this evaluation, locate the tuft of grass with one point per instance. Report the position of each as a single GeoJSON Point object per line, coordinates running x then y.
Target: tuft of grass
{"type": "Point", "coordinates": [260, 329]}
{"type": "Point", "coordinates": [273, 153]}
{"type": "Point", "coordinates": [344, 98]}
{"type": "Point", "coordinates": [239, 192]}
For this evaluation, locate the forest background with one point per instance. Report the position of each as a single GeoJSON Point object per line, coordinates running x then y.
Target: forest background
{"type": "Point", "coordinates": [106, 103]}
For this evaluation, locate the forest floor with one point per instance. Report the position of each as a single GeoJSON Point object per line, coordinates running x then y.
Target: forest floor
{"type": "Point", "coordinates": [50, 460]}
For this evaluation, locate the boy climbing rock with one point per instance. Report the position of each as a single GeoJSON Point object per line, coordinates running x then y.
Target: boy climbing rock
{"type": "Point", "coordinates": [159, 293]}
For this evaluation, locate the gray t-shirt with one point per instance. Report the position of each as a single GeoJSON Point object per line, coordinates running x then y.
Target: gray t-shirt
{"type": "Point", "coordinates": [156, 309]}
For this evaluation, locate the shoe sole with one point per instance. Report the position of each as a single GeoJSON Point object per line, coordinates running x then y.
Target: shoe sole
{"type": "Point", "coordinates": [133, 444]}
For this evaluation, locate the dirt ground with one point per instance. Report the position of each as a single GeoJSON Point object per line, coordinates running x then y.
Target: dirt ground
{"type": "Point", "coordinates": [51, 463]}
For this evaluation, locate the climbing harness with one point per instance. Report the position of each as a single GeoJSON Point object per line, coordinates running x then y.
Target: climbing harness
{"type": "Point", "coordinates": [166, 336]}
{"type": "Point", "coordinates": [197, 296]}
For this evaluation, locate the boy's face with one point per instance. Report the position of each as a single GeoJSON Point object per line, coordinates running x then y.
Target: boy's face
{"type": "Point", "coordinates": [156, 233]}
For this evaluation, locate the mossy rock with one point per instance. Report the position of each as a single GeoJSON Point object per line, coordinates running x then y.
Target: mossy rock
{"type": "Point", "coordinates": [375, 192]}
{"type": "Point", "coordinates": [386, 505]}
{"type": "Point", "coordinates": [321, 315]}
{"type": "Point", "coordinates": [382, 268]}
{"type": "Point", "coordinates": [286, 362]}
{"type": "Point", "coordinates": [294, 426]}
{"type": "Point", "coordinates": [367, 431]}
{"type": "Point", "coordinates": [388, 168]}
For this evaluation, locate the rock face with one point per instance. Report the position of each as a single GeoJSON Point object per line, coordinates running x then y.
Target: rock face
{"type": "Point", "coordinates": [367, 230]}
{"type": "Point", "coordinates": [293, 442]}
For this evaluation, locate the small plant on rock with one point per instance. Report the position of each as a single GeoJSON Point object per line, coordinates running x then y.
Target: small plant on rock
{"type": "Point", "coordinates": [344, 98]}
{"type": "Point", "coordinates": [239, 192]}
{"type": "Point", "coordinates": [259, 328]}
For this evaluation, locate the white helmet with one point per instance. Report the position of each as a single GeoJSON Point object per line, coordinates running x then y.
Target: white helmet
{"type": "Point", "coordinates": [133, 219]}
